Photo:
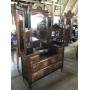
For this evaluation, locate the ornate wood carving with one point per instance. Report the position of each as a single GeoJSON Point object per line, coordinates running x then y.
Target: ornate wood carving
{"type": "Point", "coordinates": [68, 16]}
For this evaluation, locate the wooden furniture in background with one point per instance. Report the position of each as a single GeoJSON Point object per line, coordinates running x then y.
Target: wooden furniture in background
{"type": "Point", "coordinates": [68, 27]}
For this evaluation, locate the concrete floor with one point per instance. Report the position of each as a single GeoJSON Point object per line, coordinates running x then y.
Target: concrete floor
{"type": "Point", "coordinates": [66, 80]}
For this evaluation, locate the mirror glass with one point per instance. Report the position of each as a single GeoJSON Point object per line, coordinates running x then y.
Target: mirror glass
{"type": "Point", "coordinates": [21, 35]}
{"type": "Point", "coordinates": [38, 21]}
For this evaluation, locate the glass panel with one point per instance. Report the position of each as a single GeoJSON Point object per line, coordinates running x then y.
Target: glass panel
{"type": "Point", "coordinates": [21, 35]}
{"type": "Point", "coordinates": [38, 21]}
{"type": "Point", "coordinates": [38, 25]}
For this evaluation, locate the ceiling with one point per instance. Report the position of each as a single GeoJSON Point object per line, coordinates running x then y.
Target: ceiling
{"type": "Point", "coordinates": [65, 5]}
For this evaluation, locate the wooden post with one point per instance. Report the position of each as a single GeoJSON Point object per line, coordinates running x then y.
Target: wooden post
{"type": "Point", "coordinates": [52, 13]}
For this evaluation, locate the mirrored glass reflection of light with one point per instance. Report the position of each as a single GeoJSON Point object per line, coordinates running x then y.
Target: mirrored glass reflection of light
{"type": "Point", "coordinates": [36, 19]}
{"type": "Point", "coordinates": [13, 26]}
{"type": "Point", "coordinates": [20, 17]}
{"type": "Point", "coordinates": [56, 19]}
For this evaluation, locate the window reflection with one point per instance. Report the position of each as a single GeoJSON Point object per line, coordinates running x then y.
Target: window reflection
{"type": "Point", "coordinates": [37, 21]}
{"type": "Point", "coordinates": [21, 33]}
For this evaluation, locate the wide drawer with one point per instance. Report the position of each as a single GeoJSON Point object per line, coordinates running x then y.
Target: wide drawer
{"type": "Point", "coordinates": [46, 62]}
{"type": "Point", "coordinates": [43, 72]}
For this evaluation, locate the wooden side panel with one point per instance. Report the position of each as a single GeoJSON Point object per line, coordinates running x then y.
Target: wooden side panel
{"type": "Point", "coordinates": [34, 59]}
{"type": "Point", "coordinates": [20, 29]}
{"type": "Point", "coordinates": [24, 67]}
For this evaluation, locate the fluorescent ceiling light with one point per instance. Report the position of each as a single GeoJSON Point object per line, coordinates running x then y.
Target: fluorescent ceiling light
{"type": "Point", "coordinates": [51, 4]}
{"type": "Point", "coordinates": [13, 2]}
{"type": "Point", "coordinates": [20, 17]}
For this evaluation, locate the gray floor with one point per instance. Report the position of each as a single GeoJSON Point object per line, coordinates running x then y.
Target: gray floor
{"type": "Point", "coordinates": [66, 80]}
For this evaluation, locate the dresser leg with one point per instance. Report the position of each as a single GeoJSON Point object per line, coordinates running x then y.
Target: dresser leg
{"type": "Point", "coordinates": [30, 86]}
{"type": "Point", "coordinates": [61, 69]}
{"type": "Point", "coordinates": [18, 64]}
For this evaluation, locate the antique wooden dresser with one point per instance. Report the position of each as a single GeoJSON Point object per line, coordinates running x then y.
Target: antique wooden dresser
{"type": "Point", "coordinates": [36, 66]}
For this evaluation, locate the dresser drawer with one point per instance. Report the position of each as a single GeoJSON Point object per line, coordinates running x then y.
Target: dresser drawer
{"type": "Point", "coordinates": [44, 63]}
{"type": "Point", "coordinates": [43, 72]}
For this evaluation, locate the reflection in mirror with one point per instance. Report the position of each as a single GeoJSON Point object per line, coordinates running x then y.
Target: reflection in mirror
{"type": "Point", "coordinates": [38, 25]}
{"type": "Point", "coordinates": [38, 21]}
{"type": "Point", "coordinates": [13, 25]}
{"type": "Point", "coordinates": [28, 39]}
{"type": "Point", "coordinates": [56, 20]}
{"type": "Point", "coordinates": [13, 33]}
{"type": "Point", "coordinates": [21, 34]}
